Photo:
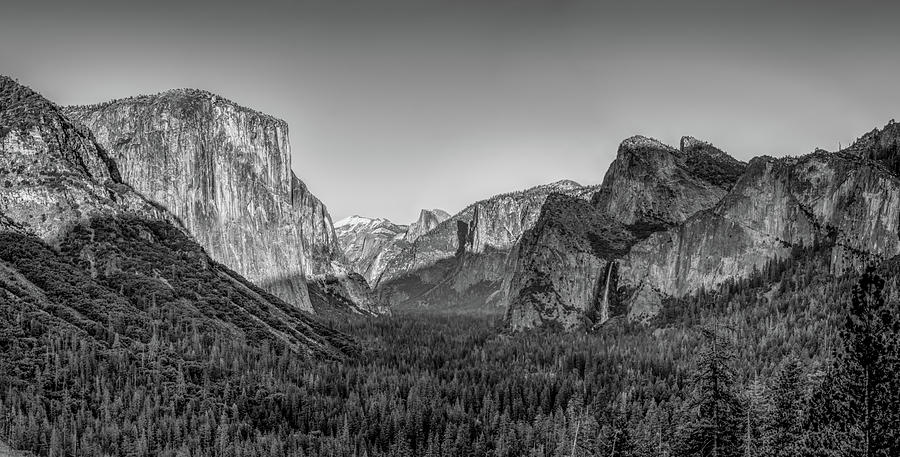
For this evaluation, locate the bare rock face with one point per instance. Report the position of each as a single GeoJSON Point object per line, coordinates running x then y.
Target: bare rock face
{"type": "Point", "coordinates": [565, 271]}
{"type": "Point", "coordinates": [53, 175]}
{"type": "Point", "coordinates": [368, 242]}
{"type": "Point", "coordinates": [85, 251]}
{"type": "Point", "coordinates": [225, 172]}
{"type": "Point", "coordinates": [428, 220]}
{"type": "Point", "coordinates": [654, 185]}
{"type": "Point", "coordinates": [460, 263]}
{"type": "Point", "coordinates": [842, 201]}
{"type": "Point", "coordinates": [563, 268]}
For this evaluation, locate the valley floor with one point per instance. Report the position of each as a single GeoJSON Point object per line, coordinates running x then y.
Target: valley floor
{"type": "Point", "coordinates": [452, 385]}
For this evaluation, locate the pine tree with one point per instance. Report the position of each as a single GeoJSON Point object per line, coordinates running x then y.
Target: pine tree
{"type": "Point", "coordinates": [783, 429]}
{"type": "Point", "coordinates": [756, 412]}
{"type": "Point", "coordinates": [867, 370]}
{"type": "Point", "coordinates": [717, 428]}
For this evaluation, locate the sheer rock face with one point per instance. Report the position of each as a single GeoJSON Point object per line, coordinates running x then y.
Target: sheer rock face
{"type": "Point", "coordinates": [833, 199]}
{"type": "Point", "coordinates": [225, 171]}
{"type": "Point", "coordinates": [66, 217]}
{"type": "Point", "coordinates": [461, 262]}
{"type": "Point", "coordinates": [565, 271]}
{"type": "Point", "coordinates": [428, 220]}
{"type": "Point", "coordinates": [656, 185]}
{"type": "Point", "coordinates": [53, 175]}
{"type": "Point", "coordinates": [368, 243]}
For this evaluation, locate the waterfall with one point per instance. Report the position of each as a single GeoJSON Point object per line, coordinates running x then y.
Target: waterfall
{"type": "Point", "coordinates": [604, 308]}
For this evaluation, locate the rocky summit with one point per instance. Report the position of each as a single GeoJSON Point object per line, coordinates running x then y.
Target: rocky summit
{"type": "Point", "coordinates": [225, 172]}
{"type": "Point", "coordinates": [565, 270]}
{"type": "Point", "coordinates": [427, 221]}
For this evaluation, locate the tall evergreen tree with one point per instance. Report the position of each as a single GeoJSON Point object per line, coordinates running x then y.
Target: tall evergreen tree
{"type": "Point", "coordinates": [783, 429]}
{"type": "Point", "coordinates": [869, 370]}
{"type": "Point", "coordinates": [856, 409]}
{"type": "Point", "coordinates": [717, 428]}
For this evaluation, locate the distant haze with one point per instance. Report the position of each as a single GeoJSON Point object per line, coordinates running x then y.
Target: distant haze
{"type": "Point", "coordinates": [395, 106]}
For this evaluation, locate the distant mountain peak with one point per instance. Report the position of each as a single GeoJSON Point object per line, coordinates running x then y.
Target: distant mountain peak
{"type": "Point", "coordinates": [428, 220]}
{"type": "Point", "coordinates": [353, 220]}
{"type": "Point", "coordinates": [435, 211]}
{"type": "Point", "coordinates": [567, 184]}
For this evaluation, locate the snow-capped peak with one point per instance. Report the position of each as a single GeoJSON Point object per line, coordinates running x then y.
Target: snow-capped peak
{"type": "Point", "coordinates": [354, 220]}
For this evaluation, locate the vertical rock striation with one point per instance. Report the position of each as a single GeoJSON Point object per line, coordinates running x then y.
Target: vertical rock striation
{"type": "Point", "coordinates": [86, 252]}
{"type": "Point", "coordinates": [225, 171]}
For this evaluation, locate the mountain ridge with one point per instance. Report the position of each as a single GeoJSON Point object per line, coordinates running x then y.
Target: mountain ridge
{"type": "Point", "coordinates": [460, 263]}
{"type": "Point", "coordinates": [226, 171]}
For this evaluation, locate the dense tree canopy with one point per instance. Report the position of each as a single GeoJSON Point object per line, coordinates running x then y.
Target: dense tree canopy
{"type": "Point", "coordinates": [755, 365]}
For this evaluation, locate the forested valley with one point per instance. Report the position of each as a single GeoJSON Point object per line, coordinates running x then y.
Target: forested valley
{"type": "Point", "coordinates": [805, 367]}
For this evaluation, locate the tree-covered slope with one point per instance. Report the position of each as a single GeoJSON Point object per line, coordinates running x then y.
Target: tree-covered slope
{"type": "Point", "coordinates": [119, 335]}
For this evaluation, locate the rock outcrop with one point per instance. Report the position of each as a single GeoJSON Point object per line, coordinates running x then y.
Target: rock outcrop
{"type": "Point", "coordinates": [565, 271]}
{"type": "Point", "coordinates": [82, 251]}
{"type": "Point", "coordinates": [225, 172]}
{"type": "Point", "coordinates": [427, 221]}
{"type": "Point", "coordinates": [653, 185]}
{"type": "Point", "coordinates": [53, 175]}
{"type": "Point", "coordinates": [841, 201]}
{"type": "Point", "coordinates": [460, 264]}
{"type": "Point", "coordinates": [882, 145]}
{"type": "Point", "coordinates": [698, 218]}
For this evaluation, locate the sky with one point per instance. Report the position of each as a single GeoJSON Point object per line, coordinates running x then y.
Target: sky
{"type": "Point", "coordinates": [398, 105]}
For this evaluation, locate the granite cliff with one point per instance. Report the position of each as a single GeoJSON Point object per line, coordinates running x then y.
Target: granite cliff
{"type": "Point", "coordinates": [565, 271]}
{"type": "Point", "coordinates": [847, 202]}
{"type": "Point", "coordinates": [562, 270]}
{"type": "Point", "coordinates": [461, 262]}
{"type": "Point", "coordinates": [427, 221]}
{"type": "Point", "coordinates": [669, 222]}
{"type": "Point", "coordinates": [225, 172]}
{"type": "Point", "coordinates": [82, 251]}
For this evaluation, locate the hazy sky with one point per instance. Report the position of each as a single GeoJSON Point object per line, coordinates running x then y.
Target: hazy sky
{"type": "Point", "coordinates": [398, 105]}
